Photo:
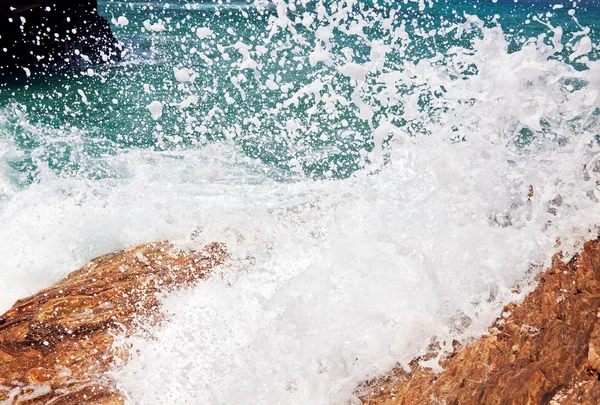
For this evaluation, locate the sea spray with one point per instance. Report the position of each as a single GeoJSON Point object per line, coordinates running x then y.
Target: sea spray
{"type": "Point", "coordinates": [383, 182]}
{"type": "Point", "coordinates": [368, 271]}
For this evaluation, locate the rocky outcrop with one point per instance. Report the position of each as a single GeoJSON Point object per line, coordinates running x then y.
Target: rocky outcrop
{"type": "Point", "coordinates": [57, 345]}
{"type": "Point", "coordinates": [43, 34]}
{"type": "Point", "coordinates": [545, 350]}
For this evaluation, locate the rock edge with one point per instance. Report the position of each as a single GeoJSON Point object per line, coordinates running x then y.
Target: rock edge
{"type": "Point", "coordinates": [57, 346]}
{"type": "Point", "coordinates": [545, 350]}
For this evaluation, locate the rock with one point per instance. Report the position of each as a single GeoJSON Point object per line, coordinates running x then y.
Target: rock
{"type": "Point", "coordinates": [41, 34]}
{"type": "Point", "coordinates": [594, 358]}
{"type": "Point", "coordinates": [545, 352]}
{"type": "Point", "coordinates": [57, 345]}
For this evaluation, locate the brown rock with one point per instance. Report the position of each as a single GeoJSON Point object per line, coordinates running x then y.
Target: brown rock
{"type": "Point", "coordinates": [57, 345]}
{"type": "Point", "coordinates": [545, 352]}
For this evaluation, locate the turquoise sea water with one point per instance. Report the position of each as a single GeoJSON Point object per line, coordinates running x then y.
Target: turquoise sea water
{"type": "Point", "coordinates": [386, 175]}
{"type": "Point", "coordinates": [114, 117]}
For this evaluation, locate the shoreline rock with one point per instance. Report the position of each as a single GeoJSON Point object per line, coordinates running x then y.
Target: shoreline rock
{"type": "Point", "coordinates": [58, 345]}
{"type": "Point", "coordinates": [545, 350]}
{"type": "Point", "coordinates": [40, 35]}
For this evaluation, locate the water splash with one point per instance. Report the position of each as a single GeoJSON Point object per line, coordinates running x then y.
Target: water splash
{"type": "Point", "coordinates": [384, 180]}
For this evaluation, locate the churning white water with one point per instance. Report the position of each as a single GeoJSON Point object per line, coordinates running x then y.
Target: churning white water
{"type": "Point", "coordinates": [335, 281]}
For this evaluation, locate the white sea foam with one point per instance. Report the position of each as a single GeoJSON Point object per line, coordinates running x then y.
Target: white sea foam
{"type": "Point", "coordinates": [337, 281]}
{"type": "Point", "coordinates": [332, 282]}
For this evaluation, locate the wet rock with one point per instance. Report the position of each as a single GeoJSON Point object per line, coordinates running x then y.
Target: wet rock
{"type": "Point", "coordinates": [546, 351]}
{"type": "Point", "coordinates": [42, 34]}
{"type": "Point", "coordinates": [57, 345]}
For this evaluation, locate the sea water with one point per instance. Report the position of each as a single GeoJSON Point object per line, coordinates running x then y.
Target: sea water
{"type": "Point", "coordinates": [386, 176]}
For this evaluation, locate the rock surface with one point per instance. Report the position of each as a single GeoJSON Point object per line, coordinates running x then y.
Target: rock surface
{"type": "Point", "coordinates": [57, 345]}
{"type": "Point", "coordinates": [545, 350]}
{"type": "Point", "coordinates": [41, 34]}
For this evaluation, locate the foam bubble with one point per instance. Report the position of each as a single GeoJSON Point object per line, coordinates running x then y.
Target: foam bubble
{"type": "Point", "coordinates": [156, 109]}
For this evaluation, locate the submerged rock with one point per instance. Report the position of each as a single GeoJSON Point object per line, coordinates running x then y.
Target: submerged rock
{"type": "Point", "coordinates": [545, 350]}
{"type": "Point", "coordinates": [57, 345]}
{"type": "Point", "coordinates": [40, 34]}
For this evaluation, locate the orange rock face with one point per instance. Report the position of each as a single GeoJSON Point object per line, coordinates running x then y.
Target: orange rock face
{"type": "Point", "coordinates": [57, 345]}
{"type": "Point", "coordinates": [545, 350]}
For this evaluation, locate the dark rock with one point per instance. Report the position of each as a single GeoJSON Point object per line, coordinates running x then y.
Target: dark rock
{"type": "Point", "coordinates": [44, 34]}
